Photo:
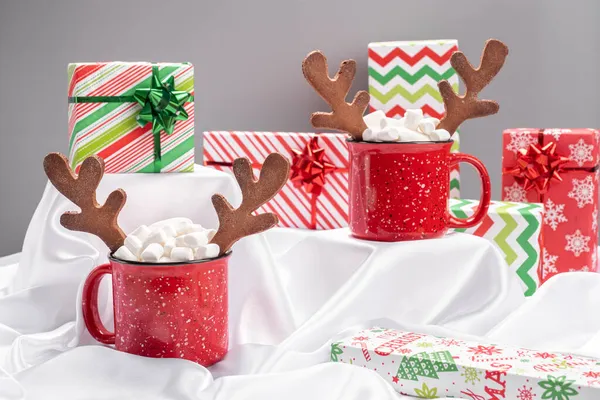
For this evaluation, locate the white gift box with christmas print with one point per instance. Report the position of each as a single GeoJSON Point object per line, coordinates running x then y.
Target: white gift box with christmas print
{"type": "Point", "coordinates": [429, 367]}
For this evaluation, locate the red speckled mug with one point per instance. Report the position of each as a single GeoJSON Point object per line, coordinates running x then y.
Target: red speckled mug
{"type": "Point", "coordinates": [400, 191]}
{"type": "Point", "coordinates": [176, 310]}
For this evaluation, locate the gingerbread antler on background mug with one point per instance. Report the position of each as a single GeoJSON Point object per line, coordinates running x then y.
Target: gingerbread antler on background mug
{"type": "Point", "coordinates": [400, 169]}
{"type": "Point", "coordinates": [171, 309]}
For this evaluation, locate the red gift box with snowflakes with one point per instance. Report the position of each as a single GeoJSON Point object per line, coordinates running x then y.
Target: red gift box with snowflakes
{"type": "Point", "coordinates": [430, 367]}
{"type": "Point", "coordinates": [559, 168]}
{"type": "Point", "coordinates": [316, 195]}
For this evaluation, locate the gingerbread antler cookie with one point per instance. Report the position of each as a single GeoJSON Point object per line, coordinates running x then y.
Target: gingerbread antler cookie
{"type": "Point", "coordinates": [235, 224]}
{"type": "Point", "coordinates": [345, 117]}
{"type": "Point", "coordinates": [81, 190]}
{"type": "Point", "coordinates": [460, 108]}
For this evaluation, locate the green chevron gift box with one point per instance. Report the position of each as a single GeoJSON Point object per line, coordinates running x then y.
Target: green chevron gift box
{"type": "Point", "coordinates": [431, 367]}
{"type": "Point", "coordinates": [515, 229]}
{"type": "Point", "coordinates": [404, 75]}
{"type": "Point", "coordinates": [137, 116]}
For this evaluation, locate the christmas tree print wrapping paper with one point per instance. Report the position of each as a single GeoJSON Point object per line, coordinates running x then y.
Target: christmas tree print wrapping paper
{"type": "Point", "coordinates": [430, 367]}
{"type": "Point", "coordinates": [570, 227]}
{"type": "Point", "coordinates": [316, 195]}
{"type": "Point", "coordinates": [515, 229]}
{"type": "Point", "coordinates": [130, 114]}
{"type": "Point", "coordinates": [404, 75]}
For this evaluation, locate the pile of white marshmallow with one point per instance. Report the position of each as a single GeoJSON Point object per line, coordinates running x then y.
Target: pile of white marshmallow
{"type": "Point", "coordinates": [413, 127]}
{"type": "Point", "coordinates": [171, 240]}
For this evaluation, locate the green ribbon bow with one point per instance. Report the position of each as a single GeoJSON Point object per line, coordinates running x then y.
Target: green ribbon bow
{"type": "Point", "coordinates": [162, 106]}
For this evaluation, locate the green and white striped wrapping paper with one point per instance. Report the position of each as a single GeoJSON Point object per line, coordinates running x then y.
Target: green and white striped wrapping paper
{"type": "Point", "coordinates": [514, 228]}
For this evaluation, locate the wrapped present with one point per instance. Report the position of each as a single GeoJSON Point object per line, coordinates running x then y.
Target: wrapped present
{"type": "Point", "coordinates": [404, 75]}
{"type": "Point", "coordinates": [137, 116]}
{"type": "Point", "coordinates": [316, 196]}
{"type": "Point", "coordinates": [515, 229]}
{"type": "Point", "coordinates": [558, 168]}
{"type": "Point", "coordinates": [430, 367]}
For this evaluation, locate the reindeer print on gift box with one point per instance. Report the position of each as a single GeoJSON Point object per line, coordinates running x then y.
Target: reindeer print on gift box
{"type": "Point", "coordinates": [399, 169]}
{"type": "Point", "coordinates": [165, 308]}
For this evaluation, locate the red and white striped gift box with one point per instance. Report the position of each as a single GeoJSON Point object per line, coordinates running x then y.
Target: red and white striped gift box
{"type": "Point", "coordinates": [296, 206]}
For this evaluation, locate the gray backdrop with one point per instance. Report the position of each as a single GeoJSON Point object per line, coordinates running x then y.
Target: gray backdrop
{"type": "Point", "coordinates": [247, 55]}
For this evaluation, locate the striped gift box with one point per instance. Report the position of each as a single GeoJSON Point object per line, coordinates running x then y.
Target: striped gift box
{"type": "Point", "coordinates": [295, 206]}
{"type": "Point", "coordinates": [515, 229]}
{"type": "Point", "coordinates": [110, 129]}
{"type": "Point", "coordinates": [404, 75]}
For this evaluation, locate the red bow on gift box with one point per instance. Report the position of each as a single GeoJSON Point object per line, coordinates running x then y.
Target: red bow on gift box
{"type": "Point", "coordinates": [309, 167]}
{"type": "Point", "coordinates": [309, 170]}
{"type": "Point", "coordinates": [537, 166]}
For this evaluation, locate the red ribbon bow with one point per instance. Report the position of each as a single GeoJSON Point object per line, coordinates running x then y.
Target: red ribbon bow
{"type": "Point", "coordinates": [309, 167]}
{"type": "Point", "coordinates": [537, 166]}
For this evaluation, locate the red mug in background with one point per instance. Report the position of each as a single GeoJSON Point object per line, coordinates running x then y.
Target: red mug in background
{"type": "Point", "coordinates": [175, 310]}
{"type": "Point", "coordinates": [400, 191]}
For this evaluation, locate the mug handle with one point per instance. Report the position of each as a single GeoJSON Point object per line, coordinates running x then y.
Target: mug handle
{"type": "Point", "coordinates": [484, 201]}
{"type": "Point", "coordinates": [90, 305]}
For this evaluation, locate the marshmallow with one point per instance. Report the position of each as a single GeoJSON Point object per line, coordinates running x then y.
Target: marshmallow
{"type": "Point", "coordinates": [182, 254]}
{"type": "Point", "coordinates": [141, 233]}
{"type": "Point", "coordinates": [374, 119]}
{"type": "Point", "coordinates": [179, 224]}
{"type": "Point", "coordinates": [426, 126]}
{"type": "Point", "coordinates": [152, 253]}
{"type": "Point", "coordinates": [440, 135]}
{"type": "Point", "coordinates": [170, 231]}
{"type": "Point", "coordinates": [395, 123]}
{"type": "Point", "coordinates": [123, 253]}
{"type": "Point", "coordinates": [184, 227]}
{"type": "Point", "coordinates": [134, 245]}
{"type": "Point", "coordinates": [158, 236]}
{"type": "Point", "coordinates": [412, 118]}
{"type": "Point", "coordinates": [209, 251]}
{"type": "Point", "coordinates": [210, 233]}
{"type": "Point", "coordinates": [388, 135]}
{"type": "Point", "coordinates": [197, 228]}
{"type": "Point", "coordinates": [407, 135]}
{"type": "Point", "coordinates": [194, 239]}
{"type": "Point", "coordinates": [434, 120]}
{"type": "Point", "coordinates": [413, 127]}
{"type": "Point", "coordinates": [169, 245]}
{"type": "Point", "coordinates": [174, 239]}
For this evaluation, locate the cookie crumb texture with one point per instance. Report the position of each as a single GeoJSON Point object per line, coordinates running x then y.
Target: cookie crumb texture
{"type": "Point", "coordinates": [165, 315]}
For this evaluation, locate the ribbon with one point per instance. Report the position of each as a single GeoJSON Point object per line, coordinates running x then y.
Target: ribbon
{"type": "Point", "coordinates": [309, 167]}
{"type": "Point", "coordinates": [308, 172]}
{"type": "Point", "coordinates": [162, 106]}
{"type": "Point", "coordinates": [537, 167]}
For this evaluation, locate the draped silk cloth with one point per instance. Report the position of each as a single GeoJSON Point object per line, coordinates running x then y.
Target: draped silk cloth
{"type": "Point", "coordinates": [291, 293]}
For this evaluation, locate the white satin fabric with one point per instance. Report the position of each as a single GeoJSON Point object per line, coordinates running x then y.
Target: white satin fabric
{"type": "Point", "coordinates": [291, 292]}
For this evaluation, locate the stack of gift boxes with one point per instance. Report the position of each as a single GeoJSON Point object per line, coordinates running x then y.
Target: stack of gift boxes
{"type": "Point", "coordinates": [139, 117]}
{"type": "Point", "coordinates": [546, 223]}
{"type": "Point", "coordinates": [529, 226]}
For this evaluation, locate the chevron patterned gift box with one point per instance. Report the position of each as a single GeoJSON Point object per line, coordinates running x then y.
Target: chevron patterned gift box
{"type": "Point", "coordinates": [316, 196]}
{"type": "Point", "coordinates": [404, 75]}
{"type": "Point", "coordinates": [515, 229]}
{"type": "Point", "coordinates": [137, 116]}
